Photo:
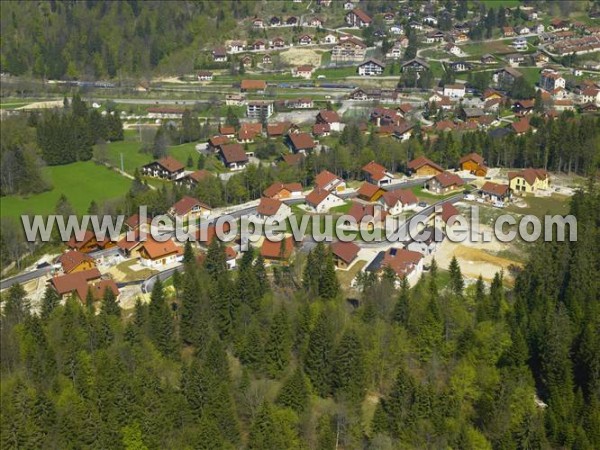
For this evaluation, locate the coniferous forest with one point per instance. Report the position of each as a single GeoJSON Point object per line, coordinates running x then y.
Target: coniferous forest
{"type": "Point", "coordinates": [266, 358]}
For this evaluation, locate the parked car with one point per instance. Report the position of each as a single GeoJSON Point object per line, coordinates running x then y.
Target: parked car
{"type": "Point", "coordinates": [423, 204]}
{"type": "Point", "coordinates": [470, 197]}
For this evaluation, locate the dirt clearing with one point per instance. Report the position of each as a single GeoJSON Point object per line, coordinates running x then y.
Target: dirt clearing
{"type": "Point", "coordinates": [300, 56]}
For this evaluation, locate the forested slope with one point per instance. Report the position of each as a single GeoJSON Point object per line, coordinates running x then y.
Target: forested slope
{"type": "Point", "coordinates": [272, 360]}
{"type": "Point", "coordinates": [101, 39]}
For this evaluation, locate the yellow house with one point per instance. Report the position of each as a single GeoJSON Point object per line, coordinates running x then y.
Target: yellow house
{"type": "Point", "coordinates": [528, 180]}
{"type": "Point", "coordinates": [188, 208]}
{"type": "Point", "coordinates": [75, 261]}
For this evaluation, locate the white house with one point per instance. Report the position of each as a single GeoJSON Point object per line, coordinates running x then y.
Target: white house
{"type": "Point", "coordinates": [328, 181]}
{"type": "Point", "coordinates": [322, 200]}
{"type": "Point", "coordinates": [551, 79]}
{"type": "Point", "coordinates": [155, 254]}
{"type": "Point", "coordinates": [398, 201]}
{"type": "Point", "coordinates": [272, 208]}
{"type": "Point", "coordinates": [453, 49]}
{"type": "Point", "coordinates": [427, 241]}
{"type": "Point", "coordinates": [329, 39]}
{"type": "Point", "coordinates": [454, 90]}
{"type": "Point", "coordinates": [371, 67]}
{"type": "Point", "coordinates": [405, 263]}
{"type": "Point", "coordinates": [396, 29]}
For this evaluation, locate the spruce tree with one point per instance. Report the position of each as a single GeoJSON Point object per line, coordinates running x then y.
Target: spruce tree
{"type": "Point", "coordinates": [216, 262]}
{"type": "Point", "coordinates": [329, 285]}
{"type": "Point", "coordinates": [260, 272]}
{"type": "Point", "coordinates": [295, 393]}
{"type": "Point", "coordinates": [278, 345]}
{"type": "Point", "coordinates": [191, 311]}
{"type": "Point", "coordinates": [49, 302]}
{"type": "Point", "coordinates": [457, 284]}
{"type": "Point", "coordinates": [402, 308]}
{"type": "Point", "coordinates": [349, 372]}
{"type": "Point", "coordinates": [110, 305]}
{"type": "Point", "coordinates": [161, 328]}
{"type": "Point", "coordinates": [89, 301]}
{"type": "Point", "coordinates": [188, 254]}
{"type": "Point", "coordinates": [319, 355]}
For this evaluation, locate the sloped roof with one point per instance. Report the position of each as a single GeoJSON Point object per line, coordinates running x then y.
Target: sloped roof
{"type": "Point", "coordinates": [449, 211]}
{"type": "Point", "coordinates": [423, 161]}
{"type": "Point", "coordinates": [71, 259]}
{"type": "Point", "coordinates": [75, 282]}
{"type": "Point", "coordinates": [158, 250]}
{"type": "Point", "coordinates": [171, 164]}
{"type": "Point", "coordinates": [199, 175]}
{"type": "Point", "coordinates": [346, 251]}
{"type": "Point", "coordinates": [329, 116]}
{"type": "Point", "coordinates": [77, 241]}
{"type": "Point", "coordinates": [273, 250]}
{"type": "Point", "coordinates": [324, 178]}
{"type": "Point", "coordinates": [253, 84]}
{"type": "Point", "coordinates": [277, 187]}
{"type": "Point", "coordinates": [316, 196]}
{"type": "Point", "coordinates": [403, 196]}
{"type": "Point", "coordinates": [375, 170]}
{"type": "Point", "coordinates": [185, 205]}
{"type": "Point", "coordinates": [447, 179]}
{"type": "Point", "coordinates": [360, 210]}
{"type": "Point", "coordinates": [368, 190]}
{"type": "Point", "coordinates": [361, 15]}
{"type": "Point", "coordinates": [521, 126]}
{"type": "Point", "coordinates": [529, 175]}
{"type": "Point", "coordinates": [268, 206]}
{"type": "Point", "coordinates": [495, 188]}
{"type": "Point", "coordinates": [475, 157]}
{"type": "Point", "coordinates": [400, 260]}
{"type": "Point", "coordinates": [301, 141]}
{"type": "Point", "coordinates": [233, 153]}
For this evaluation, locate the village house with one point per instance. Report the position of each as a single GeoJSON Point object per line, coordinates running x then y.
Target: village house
{"type": "Point", "coordinates": [344, 254]}
{"type": "Point", "coordinates": [248, 132]}
{"type": "Point", "coordinates": [278, 42]}
{"type": "Point", "coordinates": [205, 75]}
{"type": "Point", "coordinates": [514, 59]}
{"type": "Point", "coordinates": [258, 23]}
{"type": "Point", "coordinates": [495, 192]}
{"type": "Point", "coordinates": [487, 59]}
{"type": "Point", "coordinates": [522, 107]}
{"type": "Point", "coordinates": [300, 142]}
{"type": "Point", "coordinates": [460, 66]}
{"type": "Point", "coordinates": [329, 38]}
{"type": "Point", "coordinates": [528, 180]}
{"type": "Point", "coordinates": [330, 117]}
{"type": "Point", "coordinates": [322, 200]}
{"type": "Point", "coordinates": [304, 71]}
{"type": "Point", "coordinates": [520, 44]}
{"type": "Point", "coordinates": [349, 5]}
{"type": "Point", "coordinates": [371, 67]}
{"type": "Point", "coordinates": [377, 174]}
{"type": "Point", "coordinates": [188, 209]}
{"type": "Point", "coordinates": [403, 131]}
{"type": "Point", "coordinates": [321, 130]}
{"type": "Point", "coordinates": [328, 181]}
{"type": "Point", "coordinates": [444, 182]}
{"type": "Point", "coordinates": [453, 49]}
{"type": "Point", "coordinates": [259, 44]}
{"type": "Point", "coordinates": [134, 222]}
{"type": "Point", "coordinates": [129, 246]}
{"type": "Point", "coordinates": [257, 86]}
{"type": "Point", "coordinates": [404, 263]}
{"type": "Point", "coordinates": [550, 80]}
{"type": "Point", "coordinates": [349, 50]}
{"type": "Point", "coordinates": [415, 65]}
{"type": "Point", "coordinates": [236, 46]}
{"type": "Point", "coordinates": [155, 254]}
{"type": "Point", "coordinates": [78, 284]}
{"type": "Point", "coordinates": [423, 166]}
{"type": "Point", "coordinates": [214, 143]}
{"type": "Point", "coordinates": [281, 191]}
{"type": "Point", "coordinates": [291, 21]}
{"type": "Point", "coordinates": [369, 192]}
{"type": "Point", "coordinates": [233, 156]}
{"type": "Point", "coordinates": [272, 208]}
{"type": "Point", "coordinates": [235, 100]}
{"type": "Point", "coordinates": [366, 216]}
{"type": "Point", "coordinates": [305, 39]}
{"type": "Point", "coordinates": [274, 21]}
{"type": "Point", "coordinates": [227, 130]}
{"type": "Point", "coordinates": [277, 129]}
{"type": "Point", "coordinates": [167, 168]}
{"type": "Point", "coordinates": [314, 22]}
{"type": "Point", "coordinates": [473, 163]}
{"type": "Point", "coordinates": [397, 201]}
{"type": "Point", "coordinates": [192, 179]}
{"type": "Point", "coordinates": [521, 126]}
{"type": "Point", "coordinates": [75, 261]}
{"type": "Point", "coordinates": [454, 90]}
{"type": "Point", "coordinates": [219, 54]}
{"type": "Point", "coordinates": [427, 241]}
{"type": "Point", "coordinates": [259, 109]}
{"type": "Point", "coordinates": [267, 60]}
{"type": "Point", "coordinates": [506, 75]}
{"type": "Point", "coordinates": [589, 95]}
{"type": "Point", "coordinates": [300, 103]}
{"type": "Point", "coordinates": [85, 242]}
{"type": "Point", "coordinates": [508, 32]}
{"type": "Point", "coordinates": [358, 18]}
{"type": "Point", "coordinates": [396, 29]}
{"type": "Point", "coordinates": [277, 251]}
{"type": "Point", "coordinates": [395, 52]}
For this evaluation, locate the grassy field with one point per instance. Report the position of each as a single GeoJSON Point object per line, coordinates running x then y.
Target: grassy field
{"type": "Point", "coordinates": [342, 209]}
{"type": "Point", "coordinates": [427, 196]}
{"type": "Point", "coordinates": [540, 206]}
{"type": "Point", "coordinates": [81, 182]}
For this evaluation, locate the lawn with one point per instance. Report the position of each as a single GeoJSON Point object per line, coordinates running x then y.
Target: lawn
{"type": "Point", "coordinates": [531, 74]}
{"type": "Point", "coordinates": [425, 195]}
{"type": "Point", "coordinates": [81, 182]}
{"type": "Point", "coordinates": [336, 72]}
{"type": "Point", "coordinates": [540, 206]}
{"type": "Point", "coordinates": [342, 209]}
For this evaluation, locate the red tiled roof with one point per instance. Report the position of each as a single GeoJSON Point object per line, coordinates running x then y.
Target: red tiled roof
{"type": "Point", "coordinates": [268, 206]}
{"type": "Point", "coordinates": [522, 126]}
{"type": "Point", "coordinates": [171, 164]}
{"type": "Point", "coordinates": [494, 188]}
{"type": "Point", "coordinates": [360, 210]}
{"type": "Point", "coordinates": [403, 196]}
{"type": "Point", "coordinates": [320, 129]}
{"type": "Point", "coordinates": [199, 175]}
{"type": "Point", "coordinates": [77, 243]}
{"type": "Point", "coordinates": [218, 140]}
{"type": "Point", "coordinates": [301, 141]}
{"type": "Point", "coordinates": [277, 187]}
{"type": "Point", "coordinates": [253, 85]}
{"type": "Point", "coordinates": [316, 196]}
{"type": "Point", "coordinates": [101, 286]}
{"type": "Point", "coordinates": [133, 221]}
{"type": "Point", "coordinates": [449, 211]}
{"type": "Point", "coordinates": [156, 250]}
{"type": "Point", "coordinates": [375, 170]}
{"type": "Point", "coordinates": [529, 175]}
{"type": "Point", "coordinates": [278, 128]}
{"type": "Point", "coordinates": [476, 158]}
{"type": "Point", "coordinates": [328, 116]}
{"type": "Point", "coordinates": [401, 261]}
{"type": "Point", "coordinates": [75, 282]}
{"type": "Point", "coordinates": [324, 178]}
{"type": "Point", "coordinates": [293, 159]}
{"type": "Point", "coordinates": [273, 250]}
{"type": "Point", "coordinates": [423, 161]}
{"type": "Point", "coordinates": [226, 129]}
{"type": "Point", "coordinates": [128, 245]}
{"type": "Point", "coordinates": [361, 15]}
{"type": "Point", "coordinates": [367, 190]}
{"type": "Point", "coordinates": [185, 205]}
{"type": "Point", "coordinates": [71, 259]}
{"type": "Point", "coordinates": [447, 179]}
{"type": "Point", "coordinates": [211, 232]}
{"type": "Point", "coordinates": [346, 251]}
{"type": "Point", "coordinates": [233, 153]}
